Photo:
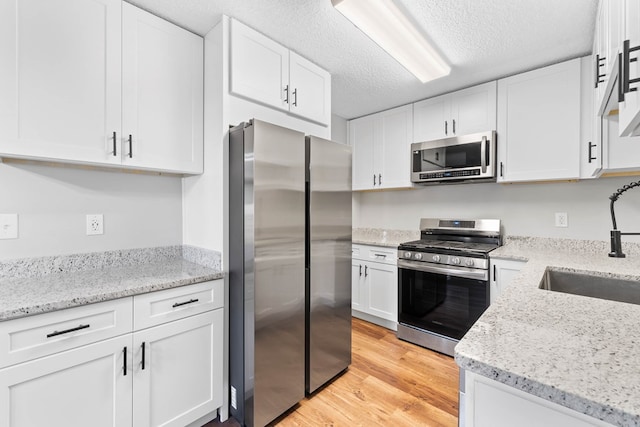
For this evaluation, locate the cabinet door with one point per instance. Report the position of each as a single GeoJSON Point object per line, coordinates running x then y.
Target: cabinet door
{"type": "Point", "coordinates": [503, 272]}
{"type": "Point", "coordinates": [630, 108]}
{"type": "Point", "coordinates": [473, 110]}
{"type": "Point", "coordinates": [620, 154]}
{"type": "Point", "coordinates": [83, 387]}
{"type": "Point", "coordinates": [382, 281]}
{"type": "Point", "coordinates": [590, 141]}
{"type": "Point", "coordinates": [259, 67]}
{"type": "Point", "coordinates": [361, 138]}
{"type": "Point", "coordinates": [357, 296]}
{"type": "Point", "coordinates": [431, 119]}
{"type": "Point", "coordinates": [394, 161]}
{"type": "Point", "coordinates": [178, 371]}
{"type": "Point", "coordinates": [60, 79]}
{"type": "Point", "coordinates": [162, 106]}
{"type": "Point", "coordinates": [310, 88]}
{"type": "Point", "coordinates": [539, 124]}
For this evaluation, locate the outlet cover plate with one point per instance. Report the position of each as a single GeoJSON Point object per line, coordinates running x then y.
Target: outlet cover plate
{"type": "Point", "coordinates": [95, 224]}
{"type": "Point", "coordinates": [562, 219]}
{"type": "Point", "coordinates": [8, 226]}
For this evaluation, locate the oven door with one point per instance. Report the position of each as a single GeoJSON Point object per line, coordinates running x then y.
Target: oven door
{"type": "Point", "coordinates": [441, 299]}
{"type": "Point", "coordinates": [458, 158]}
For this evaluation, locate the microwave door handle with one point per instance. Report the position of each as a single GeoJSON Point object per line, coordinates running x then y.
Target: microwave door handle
{"type": "Point", "coordinates": [483, 154]}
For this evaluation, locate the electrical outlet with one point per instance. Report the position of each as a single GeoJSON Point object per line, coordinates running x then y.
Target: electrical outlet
{"type": "Point", "coordinates": [8, 226]}
{"type": "Point", "coordinates": [95, 224]}
{"type": "Point", "coordinates": [562, 220]}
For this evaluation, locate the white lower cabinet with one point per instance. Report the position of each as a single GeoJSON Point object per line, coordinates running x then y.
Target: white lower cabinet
{"type": "Point", "coordinates": [489, 403]}
{"type": "Point", "coordinates": [166, 375]}
{"type": "Point", "coordinates": [375, 285]}
{"type": "Point", "coordinates": [502, 273]}
{"type": "Point", "coordinates": [181, 355]}
{"type": "Point", "coordinates": [86, 386]}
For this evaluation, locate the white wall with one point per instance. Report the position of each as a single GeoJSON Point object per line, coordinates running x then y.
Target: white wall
{"type": "Point", "coordinates": [339, 131]}
{"type": "Point", "coordinates": [525, 209]}
{"type": "Point", "coordinates": [53, 201]}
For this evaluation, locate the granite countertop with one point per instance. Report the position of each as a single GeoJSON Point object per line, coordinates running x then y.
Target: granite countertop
{"type": "Point", "coordinates": [39, 285]}
{"type": "Point", "coordinates": [383, 237]}
{"type": "Point", "coordinates": [576, 351]}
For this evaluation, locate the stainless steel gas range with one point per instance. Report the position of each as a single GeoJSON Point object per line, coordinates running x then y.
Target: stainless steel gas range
{"type": "Point", "coordinates": [443, 280]}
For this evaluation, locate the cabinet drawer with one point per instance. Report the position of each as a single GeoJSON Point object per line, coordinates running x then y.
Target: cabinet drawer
{"type": "Point", "coordinates": [160, 307]}
{"type": "Point", "coordinates": [382, 254]}
{"type": "Point", "coordinates": [28, 338]}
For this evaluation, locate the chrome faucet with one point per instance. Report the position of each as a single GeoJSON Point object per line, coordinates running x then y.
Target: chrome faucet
{"type": "Point", "coordinates": [616, 241]}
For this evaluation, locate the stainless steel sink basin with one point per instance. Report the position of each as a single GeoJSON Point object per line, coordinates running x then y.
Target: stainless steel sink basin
{"type": "Point", "coordinates": [588, 285]}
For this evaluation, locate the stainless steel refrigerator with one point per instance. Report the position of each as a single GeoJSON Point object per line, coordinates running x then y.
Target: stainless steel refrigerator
{"type": "Point", "coordinates": [289, 267]}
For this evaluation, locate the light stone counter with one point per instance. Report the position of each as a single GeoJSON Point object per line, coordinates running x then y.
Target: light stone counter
{"type": "Point", "coordinates": [39, 285]}
{"type": "Point", "coordinates": [579, 352]}
{"type": "Point", "coordinates": [381, 237]}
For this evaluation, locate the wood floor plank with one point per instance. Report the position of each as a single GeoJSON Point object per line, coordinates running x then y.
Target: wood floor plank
{"type": "Point", "coordinates": [390, 382]}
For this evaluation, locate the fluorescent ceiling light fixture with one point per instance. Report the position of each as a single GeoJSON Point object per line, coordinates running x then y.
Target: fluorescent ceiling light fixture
{"type": "Point", "coordinates": [386, 25]}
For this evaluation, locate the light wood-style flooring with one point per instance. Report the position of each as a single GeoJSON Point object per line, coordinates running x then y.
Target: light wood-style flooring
{"type": "Point", "coordinates": [389, 383]}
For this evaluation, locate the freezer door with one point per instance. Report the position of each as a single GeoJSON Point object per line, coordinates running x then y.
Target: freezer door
{"type": "Point", "coordinates": [275, 214]}
{"type": "Point", "coordinates": [328, 260]}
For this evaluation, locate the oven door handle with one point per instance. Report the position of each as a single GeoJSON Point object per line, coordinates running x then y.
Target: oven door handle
{"type": "Point", "coordinates": [456, 272]}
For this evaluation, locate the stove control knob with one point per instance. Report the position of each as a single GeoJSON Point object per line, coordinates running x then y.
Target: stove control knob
{"type": "Point", "coordinates": [469, 263]}
{"type": "Point", "coordinates": [407, 254]}
{"type": "Point", "coordinates": [455, 260]}
{"type": "Point", "coordinates": [418, 256]}
{"type": "Point", "coordinates": [436, 258]}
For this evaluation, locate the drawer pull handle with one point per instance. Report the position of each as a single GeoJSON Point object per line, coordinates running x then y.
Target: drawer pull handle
{"type": "Point", "coordinates": [178, 304]}
{"type": "Point", "coordinates": [66, 331]}
{"type": "Point", "coordinates": [143, 354]}
{"type": "Point", "coordinates": [380, 256]}
{"type": "Point", "coordinates": [124, 363]}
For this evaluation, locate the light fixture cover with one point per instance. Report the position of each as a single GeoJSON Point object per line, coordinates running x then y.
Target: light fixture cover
{"type": "Point", "coordinates": [386, 25]}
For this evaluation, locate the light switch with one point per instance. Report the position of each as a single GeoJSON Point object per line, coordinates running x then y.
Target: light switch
{"type": "Point", "coordinates": [8, 226]}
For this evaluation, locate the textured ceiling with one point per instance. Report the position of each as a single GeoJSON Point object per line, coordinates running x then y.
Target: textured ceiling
{"type": "Point", "coordinates": [481, 39]}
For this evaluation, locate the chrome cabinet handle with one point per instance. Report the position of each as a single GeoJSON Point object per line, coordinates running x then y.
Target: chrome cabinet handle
{"type": "Point", "coordinates": [445, 127]}
{"type": "Point", "coordinates": [591, 146]}
{"type": "Point", "coordinates": [379, 179]}
{"type": "Point", "coordinates": [380, 255]}
{"type": "Point", "coordinates": [115, 148]}
{"type": "Point", "coordinates": [66, 331]}
{"type": "Point", "coordinates": [130, 146]}
{"type": "Point", "coordinates": [286, 94]}
{"type": "Point", "coordinates": [454, 125]}
{"type": "Point", "coordinates": [295, 97]}
{"type": "Point", "coordinates": [365, 271]}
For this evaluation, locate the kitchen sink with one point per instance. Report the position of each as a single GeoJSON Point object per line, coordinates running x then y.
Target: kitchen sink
{"type": "Point", "coordinates": [589, 285]}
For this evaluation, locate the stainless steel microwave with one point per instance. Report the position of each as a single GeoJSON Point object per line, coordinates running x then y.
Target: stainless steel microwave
{"type": "Point", "coordinates": [461, 158]}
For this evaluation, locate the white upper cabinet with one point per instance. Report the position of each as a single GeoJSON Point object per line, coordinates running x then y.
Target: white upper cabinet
{"type": "Point", "coordinates": [259, 67]}
{"type": "Point", "coordinates": [539, 124]}
{"type": "Point", "coordinates": [267, 72]}
{"type": "Point", "coordinates": [162, 108]}
{"type": "Point", "coordinates": [60, 79]}
{"type": "Point", "coordinates": [382, 149]}
{"type": "Point", "coordinates": [630, 108]}
{"type": "Point", "coordinates": [464, 112]}
{"type": "Point", "coordinates": [76, 81]}
{"type": "Point", "coordinates": [310, 90]}
{"type": "Point", "coordinates": [590, 142]}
